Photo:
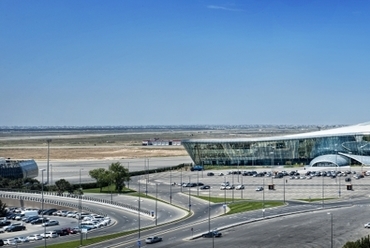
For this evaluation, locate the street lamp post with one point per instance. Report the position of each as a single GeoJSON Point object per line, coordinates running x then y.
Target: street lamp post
{"type": "Point", "coordinates": [171, 185]}
{"type": "Point", "coordinates": [42, 203]}
{"type": "Point", "coordinates": [331, 231]}
{"type": "Point", "coordinates": [181, 179]}
{"type": "Point", "coordinates": [232, 185]}
{"type": "Point", "coordinates": [323, 204]}
{"type": "Point", "coordinates": [198, 183]}
{"type": "Point", "coordinates": [209, 209]}
{"type": "Point", "coordinates": [128, 170]}
{"type": "Point", "coordinates": [156, 203]}
{"type": "Point", "coordinates": [147, 176]}
{"type": "Point", "coordinates": [47, 164]}
{"type": "Point", "coordinates": [263, 198]}
{"type": "Point", "coordinates": [80, 209]}
{"type": "Point", "coordinates": [138, 215]}
{"type": "Point", "coordinates": [189, 196]}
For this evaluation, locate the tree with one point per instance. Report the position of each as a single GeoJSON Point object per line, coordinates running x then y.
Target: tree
{"type": "Point", "coordinates": [102, 177]}
{"type": "Point", "coordinates": [63, 185]}
{"type": "Point", "coordinates": [119, 175]}
{"type": "Point", "coordinates": [3, 210]}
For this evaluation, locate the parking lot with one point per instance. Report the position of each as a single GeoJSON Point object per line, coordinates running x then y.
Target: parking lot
{"type": "Point", "coordinates": [287, 187]}
{"type": "Point", "coordinates": [55, 225]}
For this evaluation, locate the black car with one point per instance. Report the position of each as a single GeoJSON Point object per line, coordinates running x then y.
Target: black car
{"type": "Point", "coordinates": [205, 187]}
{"type": "Point", "coordinates": [210, 174]}
{"type": "Point", "coordinates": [31, 218]}
{"type": "Point", "coordinates": [39, 221]}
{"type": "Point", "coordinates": [16, 228]}
{"type": "Point", "coordinates": [1, 242]}
{"type": "Point", "coordinates": [62, 232]}
{"type": "Point", "coordinates": [49, 211]}
{"type": "Point", "coordinates": [5, 223]}
{"type": "Point", "coordinates": [212, 234]}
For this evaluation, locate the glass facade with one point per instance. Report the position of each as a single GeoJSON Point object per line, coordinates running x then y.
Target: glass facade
{"type": "Point", "coordinates": [16, 169]}
{"type": "Point", "coordinates": [309, 149]}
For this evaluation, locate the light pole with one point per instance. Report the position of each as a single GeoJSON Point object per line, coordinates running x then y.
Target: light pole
{"type": "Point", "coordinates": [47, 164]}
{"type": "Point", "coordinates": [147, 176]}
{"type": "Point", "coordinates": [171, 185]}
{"type": "Point", "coordinates": [263, 198]}
{"type": "Point", "coordinates": [198, 183]}
{"type": "Point", "coordinates": [42, 203]}
{"type": "Point", "coordinates": [181, 179]}
{"type": "Point", "coordinates": [80, 209]}
{"type": "Point", "coordinates": [272, 165]}
{"type": "Point", "coordinates": [209, 209]}
{"type": "Point", "coordinates": [189, 196]}
{"type": "Point", "coordinates": [138, 216]}
{"type": "Point", "coordinates": [332, 231]}
{"type": "Point", "coordinates": [225, 192]}
{"type": "Point", "coordinates": [232, 186]}
{"type": "Point", "coordinates": [128, 170]}
{"type": "Point", "coordinates": [241, 191]}
{"type": "Point", "coordinates": [156, 203]}
{"type": "Point", "coordinates": [323, 191]}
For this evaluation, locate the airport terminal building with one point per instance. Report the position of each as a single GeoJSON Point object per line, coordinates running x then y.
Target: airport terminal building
{"type": "Point", "coordinates": [18, 169]}
{"type": "Point", "coordinates": [328, 148]}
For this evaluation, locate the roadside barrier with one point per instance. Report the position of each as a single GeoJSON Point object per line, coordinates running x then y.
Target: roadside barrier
{"type": "Point", "coordinates": [4, 194]}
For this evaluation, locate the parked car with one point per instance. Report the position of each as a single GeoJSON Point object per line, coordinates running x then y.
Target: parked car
{"type": "Point", "coordinates": [239, 187]}
{"type": "Point", "coordinates": [1, 242]}
{"type": "Point", "coordinates": [210, 174]}
{"type": "Point", "coordinates": [15, 228]}
{"type": "Point", "coordinates": [62, 232]}
{"type": "Point", "coordinates": [31, 218]}
{"type": "Point", "coordinates": [5, 228]}
{"type": "Point", "coordinates": [49, 234]}
{"type": "Point", "coordinates": [34, 237]}
{"type": "Point", "coordinates": [205, 187]}
{"type": "Point", "coordinates": [5, 223]}
{"type": "Point", "coordinates": [39, 221]}
{"type": "Point", "coordinates": [212, 234]}
{"type": "Point", "coordinates": [259, 188]}
{"type": "Point", "coordinates": [229, 187]}
{"type": "Point", "coordinates": [367, 225]}
{"type": "Point", "coordinates": [151, 240]}
{"type": "Point", "coordinates": [10, 241]}
{"type": "Point", "coordinates": [49, 211]}
{"type": "Point", "coordinates": [50, 223]}
{"type": "Point", "coordinates": [21, 239]}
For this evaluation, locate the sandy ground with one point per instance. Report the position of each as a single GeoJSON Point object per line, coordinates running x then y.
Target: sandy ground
{"type": "Point", "coordinates": [73, 153]}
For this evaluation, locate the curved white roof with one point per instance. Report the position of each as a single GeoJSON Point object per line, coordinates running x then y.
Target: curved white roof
{"type": "Point", "coordinates": [363, 128]}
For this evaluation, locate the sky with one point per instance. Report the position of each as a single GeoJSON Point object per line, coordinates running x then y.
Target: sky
{"type": "Point", "coordinates": [184, 62]}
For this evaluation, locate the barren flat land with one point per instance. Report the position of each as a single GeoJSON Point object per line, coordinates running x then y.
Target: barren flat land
{"type": "Point", "coordinates": [117, 143]}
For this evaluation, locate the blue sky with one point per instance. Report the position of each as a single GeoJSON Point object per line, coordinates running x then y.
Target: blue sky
{"type": "Point", "coordinates": [135, 62]}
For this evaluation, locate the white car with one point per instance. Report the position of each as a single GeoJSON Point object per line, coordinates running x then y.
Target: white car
{"type": "Point", "coordinates": [367, 225]}
{"type": "Point", "coordinates": [21, 239]}
{"type": "Point", "coordinates": [259, 188]}
{"type": "Point", "coordinates": [222, 187]}
{"type": "Point", "coordinates": [239, 187]}
{"type": "Point", "coordinates": [34, 237]}
{"type": "Point", "coordinates": [10, 241]}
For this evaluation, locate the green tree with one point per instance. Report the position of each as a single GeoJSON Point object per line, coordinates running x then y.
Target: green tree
{"type": "Point", "coordinates": [63, 185]}
{"type": "Point", "coordinates": [119, 175]}
{"type": "Point", "coordinates": [2, 209]}
{"type": "Point", "coordinates": [102, 177]}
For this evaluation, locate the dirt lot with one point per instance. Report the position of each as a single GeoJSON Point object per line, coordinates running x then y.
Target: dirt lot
{"type": "Point", "coordinates": [58, 153]}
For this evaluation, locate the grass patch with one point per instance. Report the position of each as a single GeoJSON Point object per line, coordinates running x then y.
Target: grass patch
{"type": "Point", "coordinates": [108, 190]}
{"type": "Point", "coordinates": [242, 205]}
{"type": "Point", "coordinates": [89, 241]}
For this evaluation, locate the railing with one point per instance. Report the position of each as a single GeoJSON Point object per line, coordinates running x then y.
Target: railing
{"type": "Point", "coordinates": [35, 198]}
